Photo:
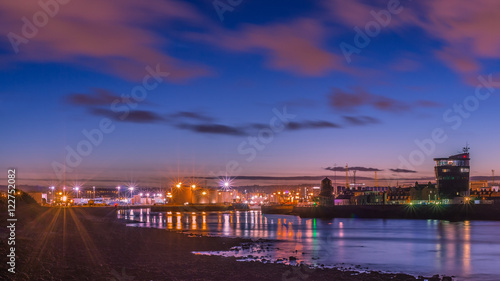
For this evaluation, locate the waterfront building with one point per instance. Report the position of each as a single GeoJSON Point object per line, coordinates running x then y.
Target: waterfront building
{"type": "Point", "coordinates": [485, 196]}
{"type": "Point", "coordinates": [452, 175]}
{"type": "Point", "coordinates": [326, 197]}
{"type": "Point", "coordinates": [398, 195]}
{"type": "Point", "coordinates": [479, 185]}
{"type": "Point", "coordinates": [423, 192]}
{"type": "Point", "coordinates": [136, 200]}
{"type": "Point", "coordinates": [343, 199]}
{"type": "Point", "coordinates": [182, 194]}
{"type": "Point", "coordinates": [40, 197]}
{"type": "Point", "coordinates": [367, 198]}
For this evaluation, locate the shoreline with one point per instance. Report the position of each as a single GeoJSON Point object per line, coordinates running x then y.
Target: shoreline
{"type": "Point", "coordinates": [93, 244]}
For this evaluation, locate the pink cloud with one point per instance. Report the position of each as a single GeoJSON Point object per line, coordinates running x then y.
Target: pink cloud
{"type": "Point", "coordinates": [112, 36]}
{"type": "Point", "coordinates": [467, 29]}
{"type": "Point", "coordinates": [473, 24]}
{"type": "Point", "coordinates": [389, 104]}
{"type": "Point", "coordinates": [296, 47]}
{"type": "Point", "coordinates": [405, 65]}
{"type": "Point", "coordinates": [351, 13]}
{"type": "Point", "coordinates": [458, 61]}
{"type": "Point", "coordinates": [343, 100]}
{"type": "Point", "coordinates": [427, 103]}
{"type": "Point", "coordinates": [358, 97]}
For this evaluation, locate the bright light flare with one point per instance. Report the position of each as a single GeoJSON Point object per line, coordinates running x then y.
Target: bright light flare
{"type": "Point", "coordinates": [226, 183]}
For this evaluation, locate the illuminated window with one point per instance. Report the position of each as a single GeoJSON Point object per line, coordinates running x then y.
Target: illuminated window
{"type": "Point", "coordinates": [464, 170]}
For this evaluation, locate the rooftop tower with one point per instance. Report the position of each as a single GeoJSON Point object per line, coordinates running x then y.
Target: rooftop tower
{"type": "Point", "coordinates": [452, 175]}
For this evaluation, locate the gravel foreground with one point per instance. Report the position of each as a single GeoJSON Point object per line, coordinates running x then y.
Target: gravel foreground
{"type": "Point", "coordinates": [92, 244]}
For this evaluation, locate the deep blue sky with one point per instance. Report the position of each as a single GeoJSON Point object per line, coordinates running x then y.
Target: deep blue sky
{"type": "Point", "coordinates": [227, 77]}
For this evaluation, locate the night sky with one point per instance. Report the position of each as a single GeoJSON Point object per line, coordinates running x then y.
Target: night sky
{"type": "Point", "coordinates": [173, 89]}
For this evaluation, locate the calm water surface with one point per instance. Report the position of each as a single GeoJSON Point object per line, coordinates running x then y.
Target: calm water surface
{"type": "Point", "coordinates": [467, 250]}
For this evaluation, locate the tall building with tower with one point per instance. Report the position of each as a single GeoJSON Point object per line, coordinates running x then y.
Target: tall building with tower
{"type": "Point", "coordinates": [326, 197]}
{"type": "Point", "coordinates": [452, 175]}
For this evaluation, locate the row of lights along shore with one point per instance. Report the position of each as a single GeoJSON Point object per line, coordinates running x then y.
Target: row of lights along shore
{"type": "Point", "coordinates": [64, 194]}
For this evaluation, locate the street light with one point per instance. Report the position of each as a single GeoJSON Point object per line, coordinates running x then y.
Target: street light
{"type": "Point", "coordinates": [78, 190]}
{"type": "Point", "coordinates": [52, 187]}
{"type": "Point", "coordinates": [118, 187]}
{"type": "Point", "coordinates": [192, 193]}
{"type": "Point", "coordinates": [93, 187]}
{"type": "Point", "coordinates": [131, 191]}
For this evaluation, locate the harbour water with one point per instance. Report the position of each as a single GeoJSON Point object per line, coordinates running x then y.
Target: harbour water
{"type": "Point", "coordinates": [468, 250]}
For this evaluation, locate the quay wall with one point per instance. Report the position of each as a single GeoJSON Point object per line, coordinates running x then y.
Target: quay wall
{"type": "Point", "coordinates": [452, 212]}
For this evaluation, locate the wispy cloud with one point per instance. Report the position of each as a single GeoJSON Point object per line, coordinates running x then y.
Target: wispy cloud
{"type": "Point", "coordinates": [360, 120]}
{"type": "Point", "coordinates": [190, 115]}
{"type": "Point", "coordinates": [402, 171]}
{"type": "Point", "coordinates": [311, 125]}
{"type": "Point", "coordinates": [98, 102]}
{"type": "Point", "coordinates": [248, 129]}
{"type": "Point", "coordinates": [361, 169]}
{"type": "Point", "coordinates": [466, 30]}
{"type": "Point", "coordinates": [297, 46]}
{"type": "Point", "coordinates": [347, 101]}
{"type": "Point", "coordinates": [134, 116]}
{"type": "Point", "coordinates": [97, 97]}
{"type": "Point", "coordinates": [217, 129]}
{"type": "Point", "coordinates": [405, 65]}
{"type": "Point", "coordinates": [115, 37]}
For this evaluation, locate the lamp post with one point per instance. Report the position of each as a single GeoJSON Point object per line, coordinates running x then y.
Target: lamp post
{"type": "Point", "coordinates": [131, 191]}
{"type": "Point", "coordinates": [118, 187]}
{"type": "Point", "coordinates": [93, 187]}
{"type": "Point", "coordinates": [52, 187]}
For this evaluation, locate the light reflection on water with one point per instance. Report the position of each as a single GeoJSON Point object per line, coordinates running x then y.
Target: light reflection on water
{"type": "Point", "coordinates": [468, 250]}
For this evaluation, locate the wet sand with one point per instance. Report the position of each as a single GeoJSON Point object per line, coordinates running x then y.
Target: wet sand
{"type": "Point", "coordinates": [92, 244]}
